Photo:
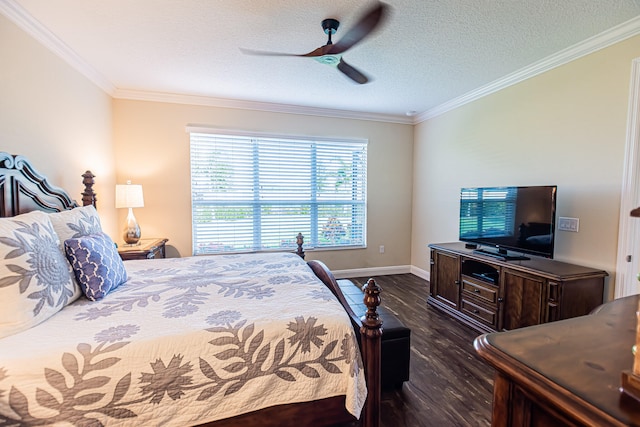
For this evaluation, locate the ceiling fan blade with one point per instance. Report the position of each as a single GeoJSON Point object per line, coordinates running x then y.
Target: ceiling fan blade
{"type": "Point", "coordinates": [322, 50]}
{"type": "Point", "coordinates": [366, 25]}
{"type": "Point", "coordinates": [351, 72]}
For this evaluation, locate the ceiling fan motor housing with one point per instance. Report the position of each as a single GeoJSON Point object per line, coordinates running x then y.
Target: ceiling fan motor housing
{"type": "Point", "coordinates": [330, 25]}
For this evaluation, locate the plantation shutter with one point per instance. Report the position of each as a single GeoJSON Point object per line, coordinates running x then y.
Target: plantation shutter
{"type": "Point", "coordinates": [254, 193]}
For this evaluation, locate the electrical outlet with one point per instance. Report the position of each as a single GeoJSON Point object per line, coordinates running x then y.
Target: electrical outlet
{"type": "Point", "coordinates": [568, 224]}
{"type": "Point", "coordinates": [381, 249]}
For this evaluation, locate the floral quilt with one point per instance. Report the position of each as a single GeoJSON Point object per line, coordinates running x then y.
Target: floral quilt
{"type": "Point", "coordinates": [184, 341]}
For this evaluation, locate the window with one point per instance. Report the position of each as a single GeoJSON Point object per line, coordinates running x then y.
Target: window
{"type": "Point", "coordinates": [487, 212]}
{"type": "Point", "coordinates": [255, 193]}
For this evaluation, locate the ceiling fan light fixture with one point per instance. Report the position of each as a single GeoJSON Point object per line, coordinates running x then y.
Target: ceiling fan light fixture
{"type": "Point", "coordinates": [328, 59]}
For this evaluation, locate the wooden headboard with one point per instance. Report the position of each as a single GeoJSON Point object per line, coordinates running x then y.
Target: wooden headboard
{"type": "Point", "coordinates": [23, 189]}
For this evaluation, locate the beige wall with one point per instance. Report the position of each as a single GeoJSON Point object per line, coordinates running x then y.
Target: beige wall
{"type": "Point", "coordinates": [55, 117]}
{"type": "Point", "coordinates": [152, 148]}
{"type": "Point", "coordinates": [565, 127]}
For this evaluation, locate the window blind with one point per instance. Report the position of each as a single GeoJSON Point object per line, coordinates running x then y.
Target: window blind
{"type": "Point", "coordinates": [253, 193]}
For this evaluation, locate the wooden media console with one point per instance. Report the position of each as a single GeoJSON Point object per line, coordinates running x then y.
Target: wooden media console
{"type": "Point", "coordinates": [492, 294]}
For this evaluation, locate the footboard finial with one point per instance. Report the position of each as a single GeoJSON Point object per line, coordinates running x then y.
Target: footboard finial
{"type": "Point", "coordinates": [88, 195]}
{"type": "Point", "coordinates": [371, 334]}
{"type": "Point", "coordinates": [300, 242]}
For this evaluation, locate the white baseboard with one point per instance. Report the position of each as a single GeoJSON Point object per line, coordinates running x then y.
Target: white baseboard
{"type": "Point", "coordinates": [381, 271]}
{"type": "Point", "coordinates": [424, 274]}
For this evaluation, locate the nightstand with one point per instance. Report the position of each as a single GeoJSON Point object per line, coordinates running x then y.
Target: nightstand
{"type": "Point", "coordinates": [147, 249]}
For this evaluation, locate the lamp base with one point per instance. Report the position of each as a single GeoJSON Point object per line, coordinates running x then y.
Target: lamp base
{"type": "Point", "coordinates": [132, 232]}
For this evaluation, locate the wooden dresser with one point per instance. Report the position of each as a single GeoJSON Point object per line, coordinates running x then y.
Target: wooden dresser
{"type": "Point", "coordinates": [565, 373]}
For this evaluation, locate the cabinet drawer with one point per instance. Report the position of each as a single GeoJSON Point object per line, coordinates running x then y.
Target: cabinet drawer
{"type": "Point", "coordinates": [481, 291]}
{"type": "Point", "coordinates": [481, 314]}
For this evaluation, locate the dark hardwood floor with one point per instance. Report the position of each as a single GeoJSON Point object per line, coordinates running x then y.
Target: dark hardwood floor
{"type": "Point", "coordinates": [449, 385]}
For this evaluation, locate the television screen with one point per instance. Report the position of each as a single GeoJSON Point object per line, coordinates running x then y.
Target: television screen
{"type": "Point", "coordinates": [520, 219]}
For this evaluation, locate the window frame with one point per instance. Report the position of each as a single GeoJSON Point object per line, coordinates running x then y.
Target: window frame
{"type": "Point", "coordinates": [314, 221]}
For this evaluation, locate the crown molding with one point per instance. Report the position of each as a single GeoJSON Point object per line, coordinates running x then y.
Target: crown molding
{"type": "Point", "coordinates": [31, 26]}
{"type": "Point", "coordinates": [600, 41]}
{"type": "Point", "coordinates": [19, 16]}
{"type": "Point", "coordinates": [139, 95]}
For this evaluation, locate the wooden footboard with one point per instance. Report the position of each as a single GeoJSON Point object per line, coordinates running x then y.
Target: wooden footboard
{"type": "Point", "coordinates": [370, 337]}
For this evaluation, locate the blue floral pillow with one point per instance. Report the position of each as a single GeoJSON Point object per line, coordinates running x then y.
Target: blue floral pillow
{"type": "Point", "coordinates": [96, 264]}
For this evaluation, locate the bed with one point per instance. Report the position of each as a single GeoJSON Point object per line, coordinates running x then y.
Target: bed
{"type": "Point", "coordinates": [225, 340]}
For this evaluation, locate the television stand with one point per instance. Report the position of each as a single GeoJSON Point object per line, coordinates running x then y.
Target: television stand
{"type": "Point", "coordinates": [493, 294]}
{"type": "Point", "coordinates": [503, 256]}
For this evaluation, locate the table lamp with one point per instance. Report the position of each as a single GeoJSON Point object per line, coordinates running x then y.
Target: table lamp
{"type": "Point", "coordinates": [130, 196]}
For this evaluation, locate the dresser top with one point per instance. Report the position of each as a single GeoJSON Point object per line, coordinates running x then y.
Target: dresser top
{"type": "Point", "coordinates": [576, 363]}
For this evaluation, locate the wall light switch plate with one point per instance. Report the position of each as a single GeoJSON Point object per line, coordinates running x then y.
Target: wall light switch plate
{"type": "Point", "coordinates": [568, 224]}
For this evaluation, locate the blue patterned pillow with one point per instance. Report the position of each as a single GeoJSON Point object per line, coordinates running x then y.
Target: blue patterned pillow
{"type": "Point", "coordinates": [96, 264]}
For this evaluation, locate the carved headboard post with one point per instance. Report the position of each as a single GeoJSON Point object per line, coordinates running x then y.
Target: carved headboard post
{"type": "Point", "coordinates": [88, 195]}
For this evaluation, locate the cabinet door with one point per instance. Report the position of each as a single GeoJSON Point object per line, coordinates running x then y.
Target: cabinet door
{"type": "Point", "coordinates": [446, 286]}
{"type": "Point", "coordinates": [523, 299]}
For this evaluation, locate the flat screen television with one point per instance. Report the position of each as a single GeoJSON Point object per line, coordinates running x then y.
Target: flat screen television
{"type": "Point", "coordinates": [519, 219]}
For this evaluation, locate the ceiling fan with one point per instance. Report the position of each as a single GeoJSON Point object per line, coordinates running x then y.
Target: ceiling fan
{"type": "Point", "coordinates": [330, 53]}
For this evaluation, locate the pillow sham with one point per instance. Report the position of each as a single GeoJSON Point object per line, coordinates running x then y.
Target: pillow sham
{"type": "Point", "coordinates": [76, 222]}
{"type": "Point", "coordinates": [73, 223]}
{"type": "Point", "coordinates": [96, 264]}
{"type": "Point", "coordinates": [35, 278]}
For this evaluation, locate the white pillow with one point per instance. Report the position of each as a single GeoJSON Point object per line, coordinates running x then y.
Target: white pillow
{"type": "Point", "coordinates": [35, 278]}
{"type": "Point", "coordinates": [76, 222]}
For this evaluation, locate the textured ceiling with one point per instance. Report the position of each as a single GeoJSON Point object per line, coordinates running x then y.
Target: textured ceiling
{"type": "Point", "coordinates": [427, 53]}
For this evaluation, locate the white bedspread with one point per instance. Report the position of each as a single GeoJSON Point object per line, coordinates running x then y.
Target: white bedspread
{"type": "Point", "coordinates": [185, 341]}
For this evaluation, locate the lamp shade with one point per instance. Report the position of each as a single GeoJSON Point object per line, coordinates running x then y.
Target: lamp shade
{"type": "Point", "coordinates": [129, 196]}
